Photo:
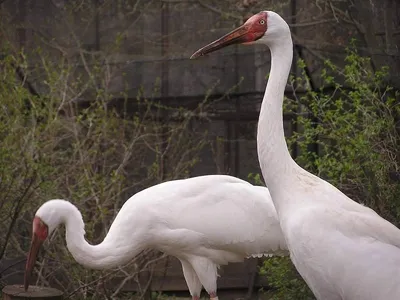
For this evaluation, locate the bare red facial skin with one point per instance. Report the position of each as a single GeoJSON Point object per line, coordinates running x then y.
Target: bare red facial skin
{"type": "Point", "coordinates": [258, 25]}
{"type": "Point", "coordinates": [253, 29]}
{"type": "Point", "coordinates": [40, 229]}
{"type": "Point", "coordinates": [40, 232]}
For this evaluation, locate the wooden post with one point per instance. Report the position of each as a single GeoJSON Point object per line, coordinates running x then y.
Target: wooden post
{"type": "Point", "coordinates": [17, 292]}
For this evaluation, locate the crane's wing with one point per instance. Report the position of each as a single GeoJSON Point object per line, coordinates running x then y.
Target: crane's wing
{"type": "Point", "coordinates": [231, 214]}
{"type": "Point", "coordinates": [220, 211]}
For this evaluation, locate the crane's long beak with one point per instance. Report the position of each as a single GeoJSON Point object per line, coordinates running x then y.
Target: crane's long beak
{"type": "Point", "coordinates": [240, 35]}
{"type": "Point", "coordinates": [33, 251]}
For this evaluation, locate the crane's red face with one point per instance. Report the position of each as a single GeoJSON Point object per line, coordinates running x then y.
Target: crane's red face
{"type": "Point", "coordinates": [39, 235]}
{"type": "Point", "coordinates": [252, 30]}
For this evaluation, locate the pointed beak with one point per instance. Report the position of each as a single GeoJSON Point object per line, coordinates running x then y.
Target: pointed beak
{"type": "Point", "coordinates": [242, 34]}
{"type": "Point", "coordinates": [33, 251]}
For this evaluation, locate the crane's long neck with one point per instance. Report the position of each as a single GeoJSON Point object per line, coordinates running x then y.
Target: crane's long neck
{"type": "Point", "coordinates": [112, 252]}
{"type": "Point", "coordinates": [275, 160]}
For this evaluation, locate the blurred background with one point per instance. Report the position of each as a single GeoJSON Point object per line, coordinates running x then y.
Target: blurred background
{"type": "Point", "coordinates": [99, 100]}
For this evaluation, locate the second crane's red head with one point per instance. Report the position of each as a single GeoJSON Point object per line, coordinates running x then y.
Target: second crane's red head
{"type": "Point", "coordinates": [252, 30]}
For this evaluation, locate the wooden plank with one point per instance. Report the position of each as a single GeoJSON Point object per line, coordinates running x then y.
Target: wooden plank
{"type": "Point", "coordinates": [17, 292]}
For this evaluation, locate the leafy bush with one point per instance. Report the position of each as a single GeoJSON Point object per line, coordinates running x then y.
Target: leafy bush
{"type": "Point", "coordinates": [284, 281]}
{"type": "Point", "coordinates": [351, 123]}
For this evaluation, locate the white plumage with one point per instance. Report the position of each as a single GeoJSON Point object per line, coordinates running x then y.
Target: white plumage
{"type": "Point", "coordinates": [342, 249]}
{"type": "Point", "coordinates": [204, 221]}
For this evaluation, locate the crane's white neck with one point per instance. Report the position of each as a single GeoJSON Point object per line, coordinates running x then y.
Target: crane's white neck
{"type": "Point", "coordinates": [102, 256]}
{"type": "Point", "coordinates": [274, 157]}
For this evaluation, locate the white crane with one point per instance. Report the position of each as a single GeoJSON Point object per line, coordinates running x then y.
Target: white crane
{"type": "Point", "coordinates": [342, 249]}
{"type": "Point", "coordinates": [204, 221]}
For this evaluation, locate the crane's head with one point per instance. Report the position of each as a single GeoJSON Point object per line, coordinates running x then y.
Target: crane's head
{"type": "Point", "coordinates": [266, 27]}
{"type": "Point", "coordinates": [46, 219]}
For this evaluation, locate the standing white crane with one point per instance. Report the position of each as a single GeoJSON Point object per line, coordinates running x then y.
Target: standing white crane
{"type": "Point", "coordinates": [342, 249]}
{"type": "Point", "coordinates": [204, 221]}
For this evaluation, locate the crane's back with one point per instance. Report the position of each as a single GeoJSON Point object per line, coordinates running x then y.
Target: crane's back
{"type": "Point", "coordinates": [217, 211]}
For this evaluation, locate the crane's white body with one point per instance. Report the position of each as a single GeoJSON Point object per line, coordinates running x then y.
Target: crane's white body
{"type": "Point", "coordinates": [342, 249]}
{"type": "Point", "coordinates": [204, 221]}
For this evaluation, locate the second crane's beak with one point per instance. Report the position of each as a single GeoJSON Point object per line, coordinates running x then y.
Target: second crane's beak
{"type": "Point", "coordinates": [33, 251]}
{"type": "Point", "coordinates": [38, 236]}
{"type": "Point", "coordinates": [242, 34]}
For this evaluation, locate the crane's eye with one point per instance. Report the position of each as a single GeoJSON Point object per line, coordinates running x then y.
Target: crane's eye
{"type": "Point", "coordinates": [261, 22]}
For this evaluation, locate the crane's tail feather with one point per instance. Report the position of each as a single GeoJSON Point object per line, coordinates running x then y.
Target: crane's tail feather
{"type": "Point", "coordinates": [275, 253]}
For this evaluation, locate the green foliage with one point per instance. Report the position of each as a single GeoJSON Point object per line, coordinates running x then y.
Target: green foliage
{"type": "Point", "coordinates": [351, 121]}
{"type": "Point", "coordinates": [20, 172]}
{"type": "Point", "coordinates": [255, 179]}
{"type": "Point", "coordinates": [284, 281]}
